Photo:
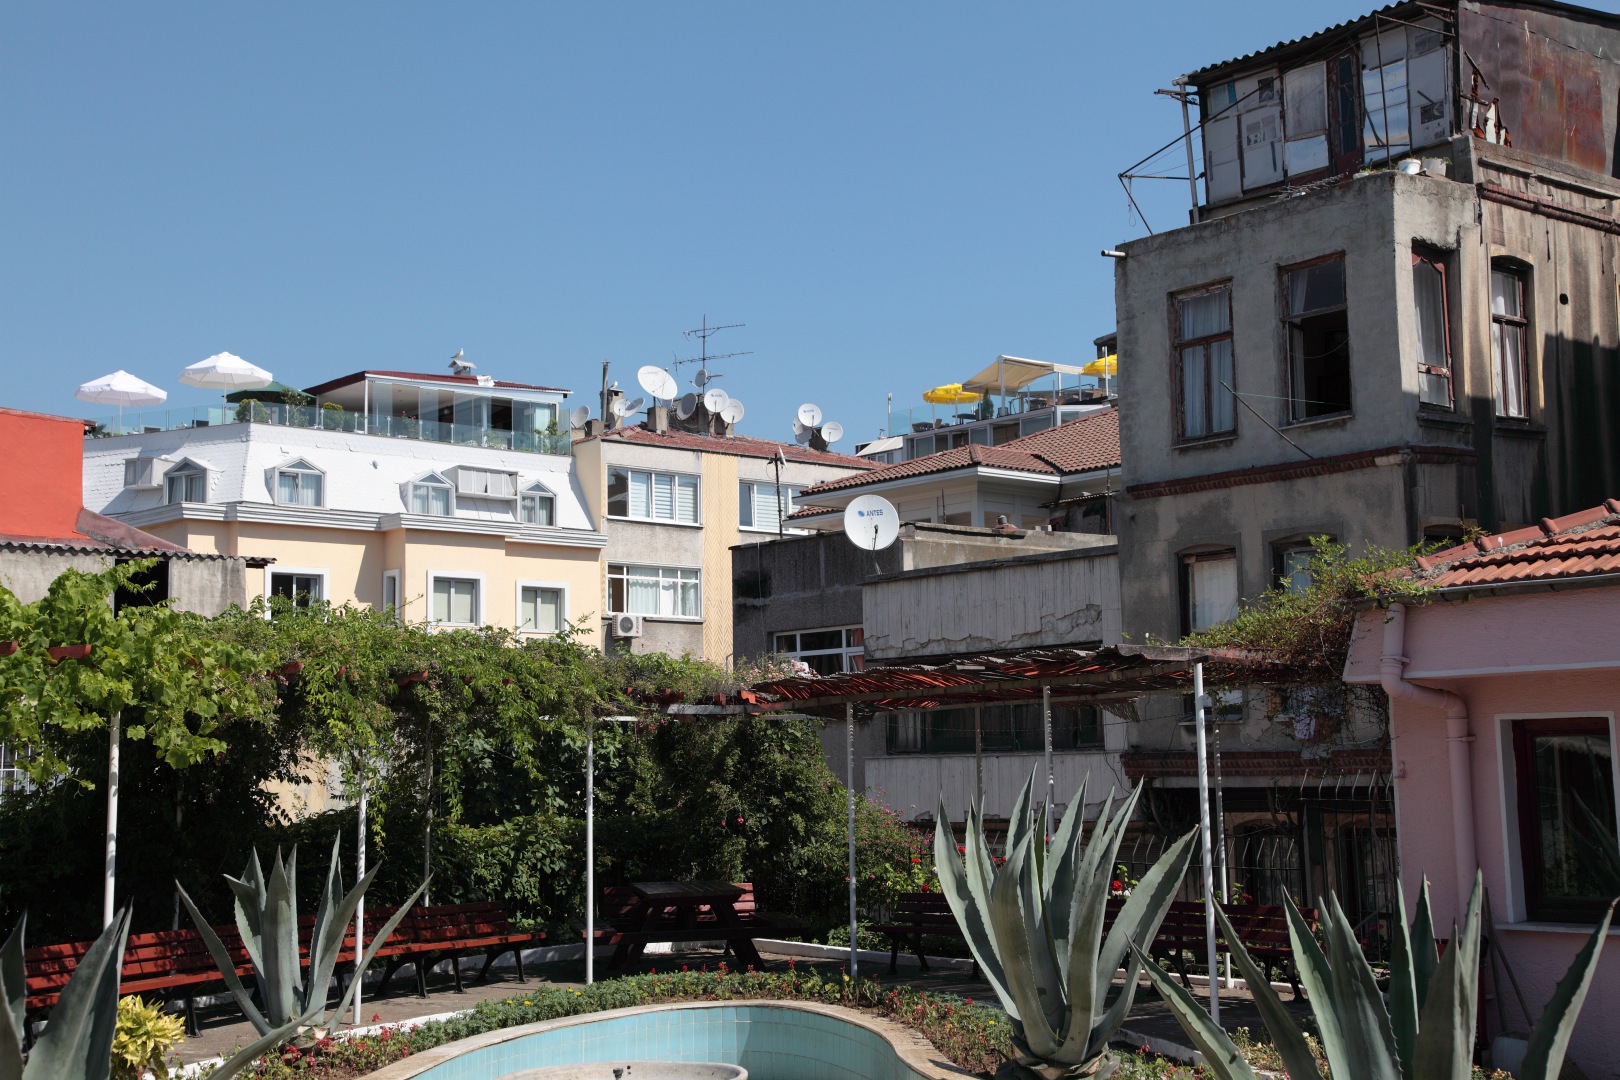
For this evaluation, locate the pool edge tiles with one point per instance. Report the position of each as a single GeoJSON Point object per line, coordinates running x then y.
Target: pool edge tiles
{"type": "Point", "coordinates": [773, 1040]}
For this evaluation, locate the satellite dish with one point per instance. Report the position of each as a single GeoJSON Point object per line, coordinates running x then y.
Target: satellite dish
{"type": "Point", "coordinates": [577, 418]}
{"type": "Point", "coordinates": [618, 408]}
{"type": "Point", "coordinates": [871, 522]}
{"type": "Point", "coordinates": [634, 407]}
{"type": "Point", "coordinates": [802, 436]}
{"type": "Point", "coordinates": [658, 382]}
{"type": "Point", "coordinates": [686, 406]}
{"type": "Point", "coordinates": [832, 431]}
{"type": "Point", "coordinates": [732, 412]}
{"type": "Point", "coordinates": [702, 378]}
{"type": "Point", "coordinates": [810, 415]}
{"type": "Point", "coordinates": [715, 400]}
{"type": "Point", "coordinates": [798, 428]}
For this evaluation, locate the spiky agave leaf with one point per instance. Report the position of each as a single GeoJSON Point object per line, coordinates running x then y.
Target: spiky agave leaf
{"type": "Point", "coordinates": [1549, 1039]}
{"type": "Point", "coordinates": [13, 1000]}
{"type": "Point", "coordinates": [1366, 1039]}
{"type": "Point", "coordinates": [1445, 1039]}
{"type": "Point", "coordinates": [1404, 1007]}
{"type": "Point", "coordinates": [227, 969]}
{"type": "Point", "coordinates": [77, 1043]}
{"type": "Point", "coordinates": [1286, 1034]}
{"type": "Point", "coordinates": [1221, 1055]}
{"type": "Point", "coordinates": [967, 903]}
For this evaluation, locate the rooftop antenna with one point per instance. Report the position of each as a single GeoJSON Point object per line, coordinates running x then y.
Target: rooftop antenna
{"type": "Point", "coordinates": [703, 334]}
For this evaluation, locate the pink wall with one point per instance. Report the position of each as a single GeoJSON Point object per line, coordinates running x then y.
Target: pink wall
{"type": "Point", "coordinates": [1545, 649]}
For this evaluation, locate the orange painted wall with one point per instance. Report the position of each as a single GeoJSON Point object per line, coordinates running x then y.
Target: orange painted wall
{"type": "Point", "coordinates": [41, 474]}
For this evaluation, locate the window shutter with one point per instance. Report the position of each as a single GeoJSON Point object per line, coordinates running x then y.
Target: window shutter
{"type": "Point", "coordinates": [765, 506]}
{"type": "Point", "coordinates": [664, 498]}
{"type": "Point", "coordinates": [641, 494]}
{"type": "Point", "coordinates": [686, 508]}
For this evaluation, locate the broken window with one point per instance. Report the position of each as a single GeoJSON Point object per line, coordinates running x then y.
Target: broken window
{"type": "Point", "coordinates": [1306, 119]}
{"type": "Point", "coordinates": [1386, 126]}
{"type": "Point", "coordinates": [1510, 326]}
{"type": "Point", "coordinates": [1204, 360]}
{"type": "Point", "coordinates": [1432, 305]}
{"type": "Point", "coordinates": [1318, 325]}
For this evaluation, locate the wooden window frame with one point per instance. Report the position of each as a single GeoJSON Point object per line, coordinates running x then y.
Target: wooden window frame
{"type": "Point", "coordinates": [1440, 259]}
{"type": "Point", "coordinates": [1294, 399]}
{"type": "Point", "coordinates": [1536, 907]}
{"type": "Point", "coordinates": [1521, 324]}
{"type": "Point", "coordinates": [1178, 348]}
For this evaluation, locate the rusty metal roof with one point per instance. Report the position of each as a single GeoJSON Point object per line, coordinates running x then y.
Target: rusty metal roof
{"type": "Point", "coordinates": [1114, 671]}
{"type": "Point", "coordinates": [1203, 75]}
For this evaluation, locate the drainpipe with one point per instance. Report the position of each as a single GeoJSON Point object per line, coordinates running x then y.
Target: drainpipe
{"type": "Point", "coordinates": [1392, 668]}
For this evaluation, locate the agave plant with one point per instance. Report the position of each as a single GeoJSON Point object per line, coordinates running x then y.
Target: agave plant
{"type": "Point", "coordinates": [77, 1043]}
{"type": "Point", "coordinates": [1427, 1028]}
{"type": "Point", "coordinates": [1036, 926]}
{"type": "Point", "coordinates": [267, 915]}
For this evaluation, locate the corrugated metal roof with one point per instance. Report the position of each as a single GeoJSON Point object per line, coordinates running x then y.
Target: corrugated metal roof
{"type": "Point", "coordinates": [1203, 75]}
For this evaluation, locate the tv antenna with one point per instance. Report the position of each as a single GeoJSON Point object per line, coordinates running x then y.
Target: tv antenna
{"type": "Point", "coordinates": [703, 334]}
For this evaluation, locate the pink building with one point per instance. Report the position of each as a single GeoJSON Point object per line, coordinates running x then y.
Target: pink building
{"type": "Point", "coordinates": [1504, 687]}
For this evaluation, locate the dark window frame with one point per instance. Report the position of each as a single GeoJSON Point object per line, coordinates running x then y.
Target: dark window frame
{"type": "Point", "coordinates": [1537, 907]}
{"type": "Point", "coordinates": [1520, 273]}
{"type": "Point", "coordinates": [1295, 401]}
{"type": "Point", "coordinates": [1440, 260]}
{"type": "Point", "coordinates": [1178, 348]}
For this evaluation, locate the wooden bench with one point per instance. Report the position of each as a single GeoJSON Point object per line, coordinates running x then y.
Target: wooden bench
{"type": "Point", "coordinates": [630, 922]}
{"type": "Point", "coordinates": [917, 915]}
{"type": "Point", "coordinates": [1261, 928]}
{"type": "Point", "coordinates": [449, 932]}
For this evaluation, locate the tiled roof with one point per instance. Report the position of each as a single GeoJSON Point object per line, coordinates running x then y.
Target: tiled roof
{"type": "Point", "coordinates": [456, 380]}
{"type": "Point", "coordinates": [1577, 545]}
{"type": "Point", "coordinates": [1091, 442]}
{"type": "Point", "coordinates": [738, 445]}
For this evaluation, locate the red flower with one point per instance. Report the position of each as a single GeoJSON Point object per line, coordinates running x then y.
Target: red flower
{"type": "Point", "coordinates": [915, 859]}
{"type": "Point", "coordinates": [1117, 885]}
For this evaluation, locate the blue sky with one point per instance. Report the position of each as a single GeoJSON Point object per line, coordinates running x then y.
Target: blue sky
{"type": "Point", "coordinates": [887, 194]}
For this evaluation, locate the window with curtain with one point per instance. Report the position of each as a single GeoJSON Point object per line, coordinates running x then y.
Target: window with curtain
{"type": "Point", "coordinates": [1209, 583]}
{"type": "Point", "coordinates": [1318, 327]}
{"type": "Point", "coordinates": [652, 496]}
{"type": "Point", "coordinates": [1204, 361]}
{"type": "Point", "coordinates": [758, 507]}
{"type": "Point", "coordinates": [188, 483]}
{"type": "Point", "coordinates": [1430, 272]}
{"type": "Point", "coordinates": [540, 609]}
{"type": "Point", "coordinates": [431, 495]}
{"type": "Point", "coordinates": [1570, 859]}
{"type": "Point", "coordinates": [537, 506]}
{"type": "Point", "coordinates": [455, 601]}
{"type": "Point", "coordinates": [299, 484]}
{"type": "Point", "coordinates": [1510, 329]}
{"type": "Point", "coordinates": [669, 592]}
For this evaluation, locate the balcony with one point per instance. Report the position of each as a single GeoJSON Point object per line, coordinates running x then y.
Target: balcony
{"type": "Point", "coordinates": [331, 418]}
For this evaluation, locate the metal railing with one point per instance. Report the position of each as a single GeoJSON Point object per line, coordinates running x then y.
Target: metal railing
{"type": "Point", "coordinates": [277, 414]}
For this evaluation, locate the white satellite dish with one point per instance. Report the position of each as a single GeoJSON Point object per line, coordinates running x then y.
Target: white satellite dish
{"type": "Point", "coordinates": [832, 431]}
{"type": "Point", "coordinates": [686, 406]}
{"type": "Point", "coordinates": [634, 407]}
{"type": "Point", "coordinates": [732, 412]}
{"type": "Point", "coordinates": [810, 415]}
{"type": "Point", "coordinates": [619, 407]}
{"type": "Point", "coordinates": [715, 400]}
{"type": "Point", "coordinates": [802, 436]}
{"type": "Point", "coordinates": [702, 378]}
{"type": "Point", "coordinates": [871, 522]}
{"type": "Point", "coordinates": [577, 418]}
{"type": "Point", "coordinates": [658, 382]}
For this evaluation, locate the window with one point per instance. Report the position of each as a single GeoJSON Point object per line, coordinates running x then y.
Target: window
{"type": "Point", "coordinates": [299, 484]}
{"type": "Point", "coordinates": [1318, 326]}
{"type": "Point", "coordinates": [485, 483]}
{"type": "Point", "coordinates": [431, 495]}
{"type": "Point", "coordinates": [1005, 728]}
{"type": "Point", "coordinates": [758, 508]}
{"type": "Point", "coordinates": [651, 496]}
{"type": "Point", "coordinates": [826, 652]}
{"type": "Point", "coordinates": [301, 589]}
{"type": "Point", "coordinates": [1565, 775]}
{"type": "Point", "coordinates": [1209, 589]}
{"type": "Point", "coordinates": [390, 592]}
{"type": "Point", "coordinates": [666, 591]}
{"type": "Point", "coordinates": [1305, 97]}
{"type": "Point", "coordinates": [1386, 124]}
{"type": "Point", "coordinates": [1291, 563]}
{"type": "Point", "coordinates": [455, 601]}
{"type": "Point", "coordinates": [186, 483]}
{"type": "Point", "coordinates": [1429, 297]}
{"type": "Point", "coordinates": [1510, 326]}
{"type": "Point", "coordinates": [1204, 357]}
{"type": "Point", "coordinates": [537, 506]}
{"type": "Point", "coordinates": [540, 609]}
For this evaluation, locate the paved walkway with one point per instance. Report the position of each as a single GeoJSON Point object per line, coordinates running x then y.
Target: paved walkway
{"type": "Point", "coordinates": [224, 1029]}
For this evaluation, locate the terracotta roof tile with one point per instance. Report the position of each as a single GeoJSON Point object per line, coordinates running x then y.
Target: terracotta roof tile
{"type": "Point", "coordinates": [1091, 442]}
{"type": "Point", "coordinates": [738, 445]}
{"type": "Point", "coordinates": [1573, 546]}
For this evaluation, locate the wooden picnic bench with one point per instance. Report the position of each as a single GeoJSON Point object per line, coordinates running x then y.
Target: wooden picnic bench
{"type": "Point", "coordinates": [449, 932]}
{"type": "Point", "coordinates": [917, 915]}
{"type": "Point", "coordinates": [640, 914]}
{"type": "Point", "coordinates": [1261, 928]}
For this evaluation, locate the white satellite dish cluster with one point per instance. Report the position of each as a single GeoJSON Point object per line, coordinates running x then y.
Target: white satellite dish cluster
{"type": "Point", "coordinates": [810, 427]}
{"type": "Point", "coordinates": [662, 388]}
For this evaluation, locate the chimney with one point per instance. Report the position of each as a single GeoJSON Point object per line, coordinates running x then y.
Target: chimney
{"type": "Point", "coordinates": [658, 419]}
{"type": "Point", "coordinates": [594, 427]}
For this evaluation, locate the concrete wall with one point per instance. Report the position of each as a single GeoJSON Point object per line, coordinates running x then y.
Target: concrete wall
{"type": "Point", "coordinates": [913, 784]}
{"type": "Point", "coordinates": [1507, 657]}
{"type": "Point", "coordinates": [28, 574]}
{"type": "Point", "coordinates": [210, 586]}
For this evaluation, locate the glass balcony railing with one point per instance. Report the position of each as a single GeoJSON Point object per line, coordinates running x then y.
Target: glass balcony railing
{"type": "Point", "coordinates": [136, 422]}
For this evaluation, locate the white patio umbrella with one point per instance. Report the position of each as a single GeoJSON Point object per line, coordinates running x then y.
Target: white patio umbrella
{"type": "Point", "coordinates": [120, 389]}
{"type": "Point", "coordinates": [226, 372]}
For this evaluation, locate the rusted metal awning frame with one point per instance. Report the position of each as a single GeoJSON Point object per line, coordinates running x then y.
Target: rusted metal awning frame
{"type": "Point", "coordinates": [1069, 673]}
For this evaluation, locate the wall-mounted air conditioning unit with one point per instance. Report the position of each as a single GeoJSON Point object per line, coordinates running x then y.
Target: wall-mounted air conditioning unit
{"type": "Point", "coordinates": [627, 626]}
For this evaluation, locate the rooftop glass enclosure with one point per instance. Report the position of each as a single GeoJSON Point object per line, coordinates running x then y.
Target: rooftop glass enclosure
{"type": "Point", "coordinates": [504, 418]}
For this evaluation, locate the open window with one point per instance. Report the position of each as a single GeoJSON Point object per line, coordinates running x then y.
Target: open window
{"type": "Point", "coordinates": [298, 483]}
{"type": "Point", "coordinates": [1318, 325]}
{"type": "Point", "coordinates": [432, 495]}
{"type": "Point", "coordinates": [1569, 857]}
{"type": "Point", "coordinates": [1510, 333]}
{"type": "Point", "coordinates": [1204, 362]}
{"type": "Point", "coordinates": [1431, 274]}
{"type": "Point", "coordinates": [537, 505]}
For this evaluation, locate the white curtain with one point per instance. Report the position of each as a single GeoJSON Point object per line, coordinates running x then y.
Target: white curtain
{"type": "Point", "coordinates": [641, 495]}
{"type": "Point", "coordinates": [642, 592]}
{"type": "Point", "coordinates": [1429, 294]}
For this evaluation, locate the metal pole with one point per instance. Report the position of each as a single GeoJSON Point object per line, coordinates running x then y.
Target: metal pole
{"type": "Point", "coordinates": [112, 820]}
{"type": "Point", "coordinates": [590, 851]}
{"type": "Point", "coordinates": [427, 828]}
{"type": "Point", "coordinates": [1046, 723]}
{"type": "Point", "coordinates": [1186, 134]}
{"type": "Point", "coordinates": [849, 754]}
{"type": "Point", "coordinates": [1204, 829]}
{"type": "Point", "coordinates": [1220, 834]}
{"type": "Point", "coordinates": [978, 756]}
{"type": "Point", "coordinates": [360, 908]}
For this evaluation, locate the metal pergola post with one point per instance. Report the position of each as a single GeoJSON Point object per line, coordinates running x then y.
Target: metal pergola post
{"type": "Point", "coordinates": [1200, 708]}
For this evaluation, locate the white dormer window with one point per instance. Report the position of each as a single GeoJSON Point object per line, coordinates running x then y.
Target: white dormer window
{"type": "Point", "coordinates": [485, 483]}
{"type": "Point", "coordinates": [298, 483]}
{"type": "Point", "coordinates": [186, 482]}
{"type": "Point", "coordinates": [431, 495]}
{"type": "Point", "coordinates": [537, 506]}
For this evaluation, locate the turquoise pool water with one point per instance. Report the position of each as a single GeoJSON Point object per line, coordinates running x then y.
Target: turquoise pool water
{"type": "Point", "coordinates": [771, 1042]}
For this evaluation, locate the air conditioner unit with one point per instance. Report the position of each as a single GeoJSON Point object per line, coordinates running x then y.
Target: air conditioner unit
{"type": "Point", "coordinates": [627, 626]}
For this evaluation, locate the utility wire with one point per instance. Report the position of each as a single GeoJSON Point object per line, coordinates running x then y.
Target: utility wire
{"type": "Point", "coordinates": [1266, 422]}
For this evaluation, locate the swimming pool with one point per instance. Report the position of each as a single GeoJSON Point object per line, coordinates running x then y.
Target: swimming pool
{"type": "Point", "coordinates": [772, 1040]}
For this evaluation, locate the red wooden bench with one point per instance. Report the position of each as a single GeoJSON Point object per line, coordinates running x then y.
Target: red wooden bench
{"type": "Point", "coordinates": [449, 932]}
{"type": "Point", "coordinates": [917, 915]}
{"type": "Point", "coordinates": [1261, 928]}
{"type": "Point", "coordinates": [623, 920]}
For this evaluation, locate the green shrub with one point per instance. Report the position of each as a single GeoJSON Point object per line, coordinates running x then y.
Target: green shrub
{"type": "Point", "coordinates": [145, 1036]}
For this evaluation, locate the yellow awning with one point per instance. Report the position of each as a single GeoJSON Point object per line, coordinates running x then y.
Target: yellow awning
{"type": "Point", "coordinates": [1102, 367]}
{"type": "Point", "coordinates": [949, 394]}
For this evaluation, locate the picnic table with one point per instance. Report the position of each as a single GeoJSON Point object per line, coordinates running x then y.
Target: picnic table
{"type": "Point", "coordinates": [684, 911]}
